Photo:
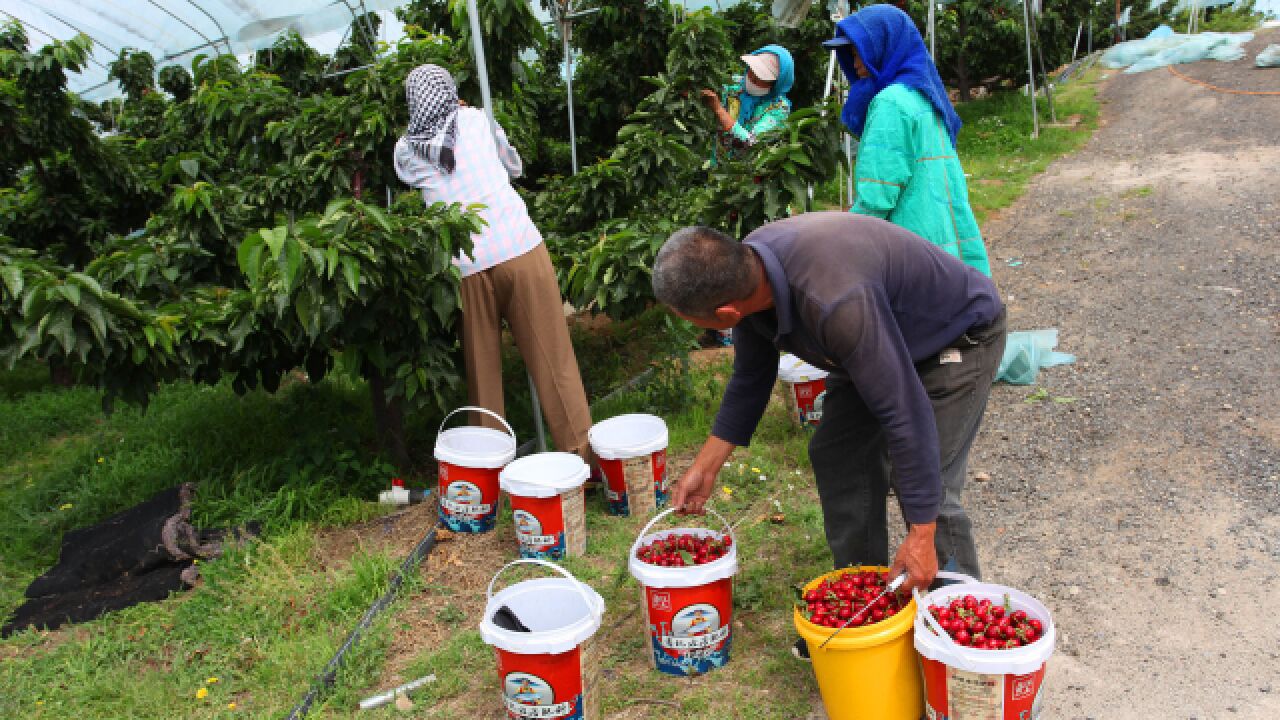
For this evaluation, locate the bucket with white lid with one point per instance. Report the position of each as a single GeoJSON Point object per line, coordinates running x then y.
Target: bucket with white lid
{"type": "Point", "coordinates": [632, 453]}
{"type": "Point", "coordinates": [806, 389]}
{"type": "Point", "coordinates": [546, 491]}
{"type": "Point", "coordinates": [963, 683]}
{"type": "Point", "coordinates": [470, 459]}
{"type": "Point", "coordinates": [552, 670]}
{"type": "Point", "coordinates": [688, 610]}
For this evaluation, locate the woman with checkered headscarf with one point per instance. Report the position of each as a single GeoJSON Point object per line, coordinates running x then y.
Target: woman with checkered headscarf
{"type": "Point", "coordinates": [453, 154]}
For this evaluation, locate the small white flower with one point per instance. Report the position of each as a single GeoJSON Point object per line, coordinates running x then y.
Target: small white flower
{"type": "Point", "coordinates": [763, 478]}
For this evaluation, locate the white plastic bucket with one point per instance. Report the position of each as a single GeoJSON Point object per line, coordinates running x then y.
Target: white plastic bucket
{"type": "Point", "coordinates": [688, 610]}
{"type": "Point", "coordinates": [551, 671]}
{"type": "Point", "coordinates": [470, 459]}
{"type": "Point", "coordinates": [632, 451]}
{"type": "Point", "coordinates": [806, 389]}
{"type": "Point", "coordinates": [970, 684]}
{"type": "Point", "coordinates": [547, 504]}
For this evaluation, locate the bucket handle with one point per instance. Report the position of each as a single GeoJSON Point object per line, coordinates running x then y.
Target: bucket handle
{"type": "Point", "coordinates": [577, 585]}
{"type": "Point", "coordinates": [473, 408]}
{"type": "Point", "coordinates": [636, 545]}
{"type": "Point", "coordinates": [923, 614]}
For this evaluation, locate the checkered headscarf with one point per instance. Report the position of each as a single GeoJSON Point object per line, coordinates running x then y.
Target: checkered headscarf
{"type": "Point", "coordinates": [433, 115]}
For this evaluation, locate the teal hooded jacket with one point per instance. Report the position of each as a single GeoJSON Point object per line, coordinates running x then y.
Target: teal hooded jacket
{"type": "Point", "coordinates": [907, 170]}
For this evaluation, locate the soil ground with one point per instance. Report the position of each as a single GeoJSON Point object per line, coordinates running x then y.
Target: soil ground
{"type": "Point", "coordinates": [1138, 493]}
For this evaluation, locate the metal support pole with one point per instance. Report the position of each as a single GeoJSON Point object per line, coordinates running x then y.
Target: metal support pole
{"type": "Point", "coordinates": [1089, 45]}
{"type": "Point", "coordinates": [1044, 71]}
{"type": "Point", "coordinates": [537, 414]}
{"type": "Point", "coordinates": [1075, 49]}
{"type": "Point", "coordinates": [565, 29]}
{"type": "Point", "coordinates": [933, 53]}
{"type": "Point", "coordinates": [1031, 69]}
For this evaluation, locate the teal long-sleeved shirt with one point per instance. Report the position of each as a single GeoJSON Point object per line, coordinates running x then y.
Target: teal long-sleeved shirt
{"type": "Point", "coordinates": [736, 139]}
{"type": "Point", "coordinates": [908, 173]}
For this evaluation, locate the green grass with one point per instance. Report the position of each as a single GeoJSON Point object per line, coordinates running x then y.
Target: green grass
{"type": "Point", "coordinates": [996, 148]}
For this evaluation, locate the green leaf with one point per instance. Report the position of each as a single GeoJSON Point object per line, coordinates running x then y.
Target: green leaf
{"type": "Point", "coordinates": [87, 282]}
{"type": "Point", "coordinates": [249, 257]}
{"type": "Point", "coordinates": [92, 313]}
{"type": "Point", "coordinates": [71, 293]}
{"type": "Point", "coordinates": [331, 260]}
{"type": "Point", "coordinates": [191, 167]}
{"type": "Point", "coordinates": [351, 271]}
{"type": "Point", "coordinates": [63, 330]}
{"type": "Point", "coordinates": [274, 238]}
{"type": "Point", "coordinates": [292, 263]}
{"type": "Point", "coordinates": [13, 280]}
{"type": "Point", "coordinates": [380, 218]}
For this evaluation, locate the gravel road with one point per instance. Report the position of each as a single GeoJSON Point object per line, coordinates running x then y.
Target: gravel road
{"type": "Point", "coordinates": [1138, 495]}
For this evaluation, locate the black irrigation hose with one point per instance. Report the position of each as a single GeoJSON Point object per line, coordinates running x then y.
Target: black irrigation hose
{"type": "Point", "coordinates": [325, 680]}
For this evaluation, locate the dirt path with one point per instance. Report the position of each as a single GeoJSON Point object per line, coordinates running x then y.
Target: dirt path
{"type": "Point", "coordinates": [1141, 498]}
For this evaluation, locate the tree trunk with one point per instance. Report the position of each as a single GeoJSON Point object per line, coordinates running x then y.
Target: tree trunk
{"type": "Point", "coordinates": [388, 419]}
{"type": "Point", "coordinates": [964, 84]}
{"type": "Point", "coordinates": [61, 374]}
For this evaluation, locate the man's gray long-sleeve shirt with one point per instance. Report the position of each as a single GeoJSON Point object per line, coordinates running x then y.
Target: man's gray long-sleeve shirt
{"type": "Point", "coordinates": [859, 297]}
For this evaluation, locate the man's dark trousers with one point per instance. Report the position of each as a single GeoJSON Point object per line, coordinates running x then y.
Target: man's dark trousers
{"type": "Point", "coordinates": [851, 461]}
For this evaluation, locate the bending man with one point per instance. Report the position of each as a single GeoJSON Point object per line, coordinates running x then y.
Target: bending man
{"type": "Point", "coordinates": [912, 338]}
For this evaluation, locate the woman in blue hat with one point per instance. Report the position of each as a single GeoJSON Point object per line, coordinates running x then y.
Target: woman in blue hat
{"type": "Point", "coordinates": [754, 105]}
{"type": "Point", "coordinates": [907, 169]}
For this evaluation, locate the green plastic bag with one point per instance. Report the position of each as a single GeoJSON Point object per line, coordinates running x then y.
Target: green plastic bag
{"type": "Point", "coordinates": [1026, 352]}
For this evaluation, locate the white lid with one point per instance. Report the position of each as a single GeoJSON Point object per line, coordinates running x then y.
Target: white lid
{"type": "Point", "coordinates": [628, 436]}
{"type": "Point", "coordinates": [544, 474]}
{"type": "Point", "coordinates": [1012, 661]}
{"type": "Point", "coordinates": [561, 613]}
{"type": "Point", "coordinates": [793, 370]}
{"type": "Point", "coordinates": [476, 447]}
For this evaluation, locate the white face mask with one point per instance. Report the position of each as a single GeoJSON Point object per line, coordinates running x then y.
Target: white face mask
{"type": "Point", "coordinates": [753, 89]}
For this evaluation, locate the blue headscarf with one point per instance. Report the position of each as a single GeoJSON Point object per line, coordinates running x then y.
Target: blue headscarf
{"type": "Point", "coordinates": [786, 78]}
{"type": "Point", "coordinates": [891, 48]}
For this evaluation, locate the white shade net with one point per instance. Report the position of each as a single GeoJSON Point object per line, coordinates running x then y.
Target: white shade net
{"type": "Point", "coordinates": [175, 31]}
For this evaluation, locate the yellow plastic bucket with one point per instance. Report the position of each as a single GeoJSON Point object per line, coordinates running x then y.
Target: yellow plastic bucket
{"type": "Point", "coordinates": [866, 673]}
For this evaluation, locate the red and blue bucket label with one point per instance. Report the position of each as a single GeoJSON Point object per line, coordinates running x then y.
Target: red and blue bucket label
{"type": "Point", "coordinates": [807, 399]}
{"type": "Point", "coordinates": [690, 629]}
{"type": "Point", "coordinates": [468, 498]}
{"type": "Point", "coordinates": [637, 485]}
{"type": "Point", "coordinates": [550, 528]}
{"type": "Point", "coordinates": [548, 686]}
{"type": "Point", "coordinates": [952, 693]}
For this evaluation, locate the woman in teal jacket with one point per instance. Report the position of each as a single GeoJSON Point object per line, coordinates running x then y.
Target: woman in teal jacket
{"type": "Point", "coordinates": [907, 170]}
{"type": "Point", "coordinates": [754, 105]}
